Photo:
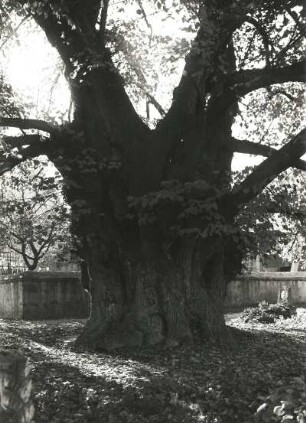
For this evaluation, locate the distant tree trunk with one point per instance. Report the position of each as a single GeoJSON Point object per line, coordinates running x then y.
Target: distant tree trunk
{"type": "Point", "coordinates": [31, 265]}
{"type": "Point", "coordinates": [297, 253]}
{"type": "Point", "coordinates": [294, 266]}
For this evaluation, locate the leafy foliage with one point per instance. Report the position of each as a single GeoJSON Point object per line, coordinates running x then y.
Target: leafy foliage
{"type": "Point", "coordinates": [187, 210]}
{"type": "Point", "coordinates": [274, 222]}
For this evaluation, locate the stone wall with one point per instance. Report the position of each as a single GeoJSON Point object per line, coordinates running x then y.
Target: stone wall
{"type": "Point", "coordinates": [55, 295]}
{"type": "Point", "coordinates": [250, 289]}
{"type": "Point", "coordinates": [10, 297]}
{"type": "Point", "coordinates": [42, 295]}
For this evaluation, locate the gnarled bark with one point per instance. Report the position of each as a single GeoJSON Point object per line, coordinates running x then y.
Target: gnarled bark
{"type": "Point", "coordinates": [155, 300]}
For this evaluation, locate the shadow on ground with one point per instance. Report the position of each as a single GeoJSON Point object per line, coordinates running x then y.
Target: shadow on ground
{"type": "Point", "coordinates": [202, 383]}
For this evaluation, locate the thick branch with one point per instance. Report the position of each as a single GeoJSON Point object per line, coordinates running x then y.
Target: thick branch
{"type": "Point", "coordinates": [40, 125]}
{"type": "Point", "coordinates": [268, 170]}
{"type": "Point", "coordinates": [248, 147]}
{"type": "Point", "coordinates": [46, 244]}
{"type": "Point", "coordinates": [246, 81]}
{"type": "Point", "coordinates": [33, 147]}
{"type": "Point", "coordinates": [15, 249]}
{"type": "Point", "coordinates": [74, 19]}
{"type": "Point", "coordinates": [211, 43]}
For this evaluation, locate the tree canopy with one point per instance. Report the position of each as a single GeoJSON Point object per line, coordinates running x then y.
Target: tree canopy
{"type": "Point", "coordinates": [267, 40]}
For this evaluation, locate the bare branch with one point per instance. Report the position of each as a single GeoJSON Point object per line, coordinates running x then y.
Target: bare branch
{"type": "Point", "coordinates": [295, 39]}
{"type": "Point", "coordinates": [15, 249]}
{"type": "Point", "coordinates": [33, 248]}
{"type": "Point", "coordinates": [15, 30]}
{"type": "Point", "coordinates": [248, 147]}
{"type": "Point", "coordinates": [264, 35]}
{"type": "Point", "coordinates": [152, 100]}
{"type": "Point", "coordinates": [146, 19]}
{"type": "Point", "coordinates": [45, 246]}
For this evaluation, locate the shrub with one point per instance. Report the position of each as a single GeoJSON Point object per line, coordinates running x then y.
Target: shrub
{"type": "Point", "coordinates": [268, 313]}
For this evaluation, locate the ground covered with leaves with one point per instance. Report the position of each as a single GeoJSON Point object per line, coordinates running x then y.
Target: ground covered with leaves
{"type": "Point", "coordinates": [261, 378]}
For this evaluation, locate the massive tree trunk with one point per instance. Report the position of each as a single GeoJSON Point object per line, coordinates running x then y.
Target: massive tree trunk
{"type": "Point", "coordinates": [146, 286]}
{"type": "Point", "coordinates": [156, 275]}
{"type": "Point", "coordinates": [154, 255]}
{"type": "Point", "coordinates": [149, 299]}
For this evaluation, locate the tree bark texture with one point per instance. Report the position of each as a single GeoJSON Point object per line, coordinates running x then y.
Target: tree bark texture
{"type": "Point", "coordinates": [153, 300]}
{"type": "Point", "coordinates": [15, 389]}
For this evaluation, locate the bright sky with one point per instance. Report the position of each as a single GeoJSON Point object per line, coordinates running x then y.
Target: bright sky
{"type": "Point", "coordinates": [34, 70]}
{"type": "Point", "coordinates": [33, 67]}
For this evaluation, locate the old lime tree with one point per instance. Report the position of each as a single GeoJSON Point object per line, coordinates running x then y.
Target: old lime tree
{"type": "Point", "coordinates": [152, 200]}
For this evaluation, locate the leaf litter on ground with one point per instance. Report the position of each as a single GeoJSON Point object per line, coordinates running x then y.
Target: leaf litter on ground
{"type": "Point", "coordinates": [207, 383]}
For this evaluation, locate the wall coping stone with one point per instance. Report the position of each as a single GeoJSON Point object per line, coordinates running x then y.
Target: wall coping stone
{"type": "Point", "coordinates": [272, 276]}
{"type": "Point", "coordinates": [26, 276]}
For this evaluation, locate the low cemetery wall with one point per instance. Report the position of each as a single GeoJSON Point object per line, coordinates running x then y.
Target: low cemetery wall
{"type": "Point", "coordinates": [250, 289]}
{"type": "Point", "coordinates": [42, 295]}
{"type": "Point", "coordinates": [55, 295]}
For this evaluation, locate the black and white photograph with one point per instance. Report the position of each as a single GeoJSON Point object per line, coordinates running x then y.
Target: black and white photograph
{"type": "Point", "coordinates": [152, 211]}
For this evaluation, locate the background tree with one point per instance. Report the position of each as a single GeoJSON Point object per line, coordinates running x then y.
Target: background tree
{"type": "Point", "coordinates": [274, 222]}
{"type": "Point", "coordinates": [34, 217]}
{"type": "Point", "coordinates": [153, 205]}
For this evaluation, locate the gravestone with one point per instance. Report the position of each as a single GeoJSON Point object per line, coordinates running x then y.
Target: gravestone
{"type": "Point", "coordinates": [15, 389]}
{"type": "Point", "coordinates": [284, 297]}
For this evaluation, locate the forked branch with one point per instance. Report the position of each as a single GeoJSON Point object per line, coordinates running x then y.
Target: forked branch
{"type": "Point", "coordinates": [18, 149]}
